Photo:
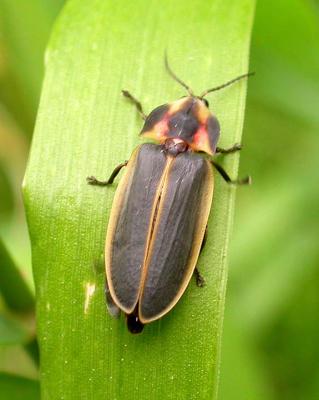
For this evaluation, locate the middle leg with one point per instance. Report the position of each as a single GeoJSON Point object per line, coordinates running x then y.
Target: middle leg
{"type": "Point", "coordinates": [227, 178]}
{"type": "Point", "coordinates": [92, 180]}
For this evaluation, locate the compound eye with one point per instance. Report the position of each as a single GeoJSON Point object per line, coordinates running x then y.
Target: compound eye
{"type": "Point", "coordinates": [206, 103]}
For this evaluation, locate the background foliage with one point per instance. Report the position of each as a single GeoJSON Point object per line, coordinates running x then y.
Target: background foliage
{"type": "Point", "coordinates": [271, 328]}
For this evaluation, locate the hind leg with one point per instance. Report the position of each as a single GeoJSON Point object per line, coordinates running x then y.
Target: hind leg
{"type": "Point", "coordinates": [200, 281]}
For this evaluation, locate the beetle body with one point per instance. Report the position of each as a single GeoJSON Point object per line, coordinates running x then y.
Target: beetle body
{"type": "Point", "coordinates": [160, 212]}
{"type": "Point", "coordinates": [161, 207]}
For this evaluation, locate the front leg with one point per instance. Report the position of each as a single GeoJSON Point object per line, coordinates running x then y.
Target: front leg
{"type": "Point", "coordinates": [91, 180]}
{"type": "Point", "coordinates": [134, 101]}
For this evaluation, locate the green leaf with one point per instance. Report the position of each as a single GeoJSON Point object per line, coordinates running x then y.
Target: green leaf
{"type": "Point", "coordinates": [11, 332]}
{"type": "Point", "coordinates": [15, 387]}
{"type": "Point", "coordinates": [84, 127]}
{"type": "Point", "coordinates": [15, 360]}
{"type": "Point", "coordinates": [274, 264]}
{"type": "Point", "coordinates": [6, 194]}
{"type": "Point", "coordinates": [238, 355]}
{"type": "Point", "coordinates": [13, 288]}
{"type": "Point", "coordinates": [19, 300]}
{"type": "Point", "coordinates": [24, 30]}
{"type": "Point", "coordinates": [288, 69]}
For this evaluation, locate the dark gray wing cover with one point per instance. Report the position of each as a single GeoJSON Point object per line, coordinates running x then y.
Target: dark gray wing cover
{"type": "Point", "coordinates": [174, 233]}
{"type": "Point", "coordinates": [133, 223]}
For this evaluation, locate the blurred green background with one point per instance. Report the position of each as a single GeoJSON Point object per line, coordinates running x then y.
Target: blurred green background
{"type": "Point", "coordinates": [271, 325]}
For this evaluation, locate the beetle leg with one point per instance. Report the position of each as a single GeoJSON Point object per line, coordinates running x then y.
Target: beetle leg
{"type": "Point", "coordinates": [111, 306]}
{"type": "Point", "coordinates": [226, 177]}
{"type": "Point", "coordinates": [91, 180]}
{"type": "Point", "coordinates": [137, 104]}
{"type": "Point", "coordinates": [200, 281]}
{"type": "Point", "coordinates": [204, 240]}
{"type": "Point", "coordinates": [233, 149]}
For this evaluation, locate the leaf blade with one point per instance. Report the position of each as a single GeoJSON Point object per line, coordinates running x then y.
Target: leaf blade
{"type": "Point", "coordinates": [13, 288]}
{"type": "Point", "coordinates": [73, 118]}
{"type": "Point", "coordinates": [16, 387]}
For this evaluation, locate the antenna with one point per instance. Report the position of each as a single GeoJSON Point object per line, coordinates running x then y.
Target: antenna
{"type": "Point", "coordinates": [172, 74]}
{"type": "Point", "coordinates": [226, 84]}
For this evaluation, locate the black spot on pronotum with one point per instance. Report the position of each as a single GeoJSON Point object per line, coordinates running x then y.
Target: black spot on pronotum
{"type": "Point", "coordinates": [182, 125]}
